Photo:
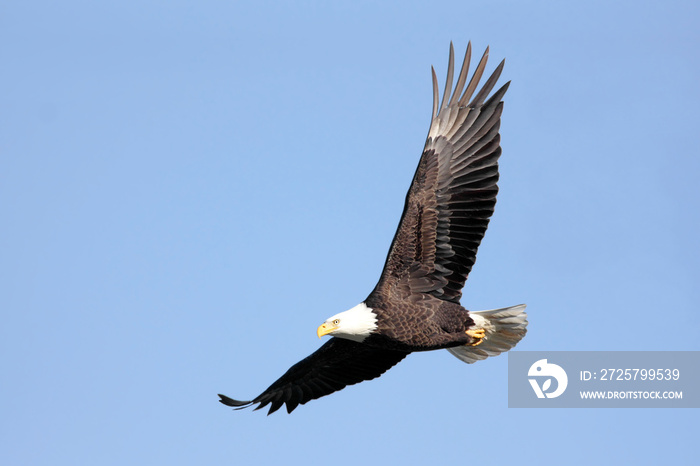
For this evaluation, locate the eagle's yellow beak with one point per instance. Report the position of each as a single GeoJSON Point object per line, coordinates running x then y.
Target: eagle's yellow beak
{"type": "Point", "coordinates": [324, 329]}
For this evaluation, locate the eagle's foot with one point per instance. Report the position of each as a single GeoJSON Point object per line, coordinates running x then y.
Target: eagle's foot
{"type": "Point", "coordinates": [477, 335]}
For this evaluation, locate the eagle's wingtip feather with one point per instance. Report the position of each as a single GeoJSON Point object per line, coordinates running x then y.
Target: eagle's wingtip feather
{"type": "Point", "coordinates": [233, 403]}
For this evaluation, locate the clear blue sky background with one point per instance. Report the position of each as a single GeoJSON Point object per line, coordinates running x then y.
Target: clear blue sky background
{"type": "Point", "coordinates": [188, 189]}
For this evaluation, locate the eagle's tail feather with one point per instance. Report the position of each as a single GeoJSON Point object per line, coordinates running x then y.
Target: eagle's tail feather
{"type": "Point", "coordinates": [504, 328]}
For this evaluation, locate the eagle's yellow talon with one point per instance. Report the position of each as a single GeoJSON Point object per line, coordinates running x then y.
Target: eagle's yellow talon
{"type": "Point", "coordinates": [477, 334]}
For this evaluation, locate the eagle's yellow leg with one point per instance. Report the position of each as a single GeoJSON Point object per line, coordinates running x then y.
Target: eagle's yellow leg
{"type": "Point", "coordinates": [477, 334]}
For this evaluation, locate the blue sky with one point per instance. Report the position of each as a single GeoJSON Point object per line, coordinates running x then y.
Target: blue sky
{"type": "Point", "coordinates": [188, 189]}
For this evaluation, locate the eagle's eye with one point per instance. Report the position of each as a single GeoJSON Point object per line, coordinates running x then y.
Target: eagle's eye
{"type": "Point", "coordinates": [336, 321]}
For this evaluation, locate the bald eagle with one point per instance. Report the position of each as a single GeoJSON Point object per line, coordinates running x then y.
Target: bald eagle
{"type": "Point", "coordinates": [415, 306]}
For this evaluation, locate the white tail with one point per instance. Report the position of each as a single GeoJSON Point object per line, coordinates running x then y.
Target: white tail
{"type": "Point", "coordinates": [504, 329]}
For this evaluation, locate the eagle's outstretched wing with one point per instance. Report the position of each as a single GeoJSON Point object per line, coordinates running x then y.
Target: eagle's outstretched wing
{"type": "Point", "coordinates": [453, 192]}
{"type": "Point", "coordinates": [332, 367]}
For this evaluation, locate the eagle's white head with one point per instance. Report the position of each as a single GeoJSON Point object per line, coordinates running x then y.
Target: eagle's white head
{"type": "Point", "coordinates": [355, 324]}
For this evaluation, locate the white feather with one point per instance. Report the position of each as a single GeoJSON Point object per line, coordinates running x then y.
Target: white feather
{"type": "Point", "coordinates": [504, 328]}
{"type": "Point", "coordinates": [354, 324]}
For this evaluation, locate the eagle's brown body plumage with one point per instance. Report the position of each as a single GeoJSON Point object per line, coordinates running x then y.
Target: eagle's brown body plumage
{"type": "Point", "coordinates": [426, 324]}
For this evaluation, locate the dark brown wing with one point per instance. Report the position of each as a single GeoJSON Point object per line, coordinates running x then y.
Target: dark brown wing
{"type": "Point", "coordinates": [332, 367]}
{"type": "Point", "coordinates": [453, 193]}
